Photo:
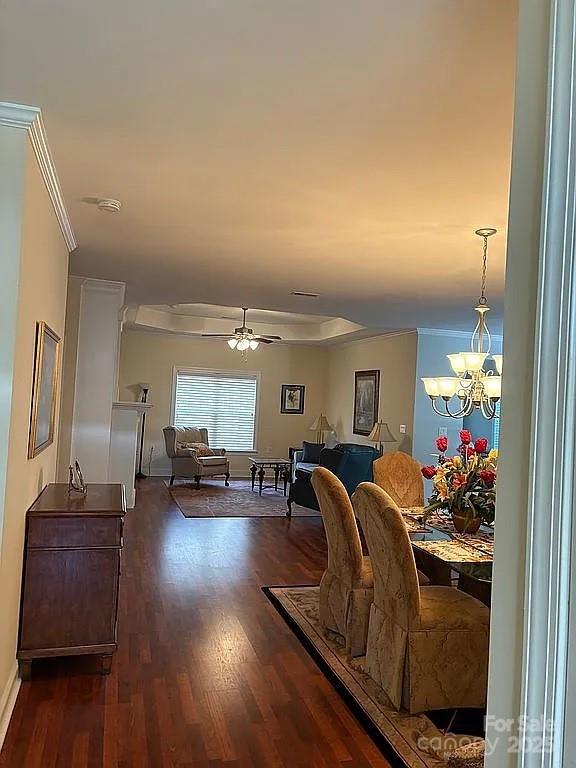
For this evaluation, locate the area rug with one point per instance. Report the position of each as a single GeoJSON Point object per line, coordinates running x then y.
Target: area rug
{"type": "Point", "coordinates": [214, 499]}
{"type": "Point", "coordinates": [410, 741]}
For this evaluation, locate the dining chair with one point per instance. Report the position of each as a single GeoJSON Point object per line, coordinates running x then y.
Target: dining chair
{"type": "Point", "coordinates": [400, 476]}
{"type": "Point", "coordinates": [346, 588]}
{"type": "Point", "coordinates": [427, 646]}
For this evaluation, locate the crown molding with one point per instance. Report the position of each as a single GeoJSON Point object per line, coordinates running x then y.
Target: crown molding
{"type": "Point", "coordinates": [455, 334]}
{"type": "Point", "coordinates": [30, 119]}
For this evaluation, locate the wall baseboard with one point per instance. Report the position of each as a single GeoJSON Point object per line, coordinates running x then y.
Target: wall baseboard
{"type": "Point", "coordinates": [8, 701]}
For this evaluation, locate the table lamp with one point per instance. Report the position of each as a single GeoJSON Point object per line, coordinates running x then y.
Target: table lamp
{"type": "Point", "coordinates": [381, 434]}
{"type": "Point", "coordinates": [321, 425]}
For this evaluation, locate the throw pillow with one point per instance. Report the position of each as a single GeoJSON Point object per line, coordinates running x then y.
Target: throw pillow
{"type": "Point", "coordinates": [201, 448]}
{"type": "Point", "coordinates": [311, 452]}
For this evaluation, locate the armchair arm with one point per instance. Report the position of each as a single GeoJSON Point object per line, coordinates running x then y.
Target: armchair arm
{"type": "Point", "coordinates": [220, 451]}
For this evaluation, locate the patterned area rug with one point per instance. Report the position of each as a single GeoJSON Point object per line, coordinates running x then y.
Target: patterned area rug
{"type": "Point", "coordinates": [408, 740]}
{"type": "Point", "coordinates": [213, 499]}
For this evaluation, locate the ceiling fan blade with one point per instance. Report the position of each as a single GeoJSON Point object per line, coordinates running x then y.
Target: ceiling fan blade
{"type": "Point", "coordinates": [266, 336]}
{"type": "Point", "coordinates": [219, 335]}
{"type": "Point", "coordinates": [262, 340]}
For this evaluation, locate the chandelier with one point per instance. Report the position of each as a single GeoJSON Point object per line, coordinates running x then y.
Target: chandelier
{"type": "Point", "coordinates": [473, 387]}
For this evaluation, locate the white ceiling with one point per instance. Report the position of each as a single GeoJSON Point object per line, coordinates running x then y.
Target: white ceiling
{"type": "Point", "coordinates": [260, 147]}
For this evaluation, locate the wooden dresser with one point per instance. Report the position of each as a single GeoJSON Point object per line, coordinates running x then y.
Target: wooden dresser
{"type": "Point", "coordinates": [69, 601]}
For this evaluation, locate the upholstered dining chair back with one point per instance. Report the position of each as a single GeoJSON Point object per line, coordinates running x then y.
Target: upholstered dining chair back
{"type": "Point", "coordinates": [396, 588]}
{"type": "Point", "coordinates": [344, 546]}
{"type": "Point", "coordinates": [400, 476]}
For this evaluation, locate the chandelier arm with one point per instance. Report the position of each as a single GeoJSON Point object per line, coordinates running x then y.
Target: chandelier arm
{"type": "Point", "coordinates": [488, 408]}
{"type": "Point", "coordinates": [462, 412]}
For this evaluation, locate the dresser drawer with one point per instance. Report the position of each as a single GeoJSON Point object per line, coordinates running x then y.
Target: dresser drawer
{"type": "Point", "coordinates": [74, 532]}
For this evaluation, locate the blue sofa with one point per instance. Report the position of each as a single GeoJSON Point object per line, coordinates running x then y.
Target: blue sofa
{"type": "Point", "coordinates": [350, 462]}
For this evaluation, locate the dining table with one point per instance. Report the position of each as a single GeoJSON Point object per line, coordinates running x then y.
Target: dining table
{"type": "Point", "coordinates": [446, 556]}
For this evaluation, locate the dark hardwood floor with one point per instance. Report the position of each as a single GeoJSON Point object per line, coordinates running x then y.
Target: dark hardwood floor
{"type": "Point", "coordinates": [207, 673]}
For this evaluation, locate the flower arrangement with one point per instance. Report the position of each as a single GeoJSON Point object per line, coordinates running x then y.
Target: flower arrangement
{"type": "Point", "coordinates": [464, 484]}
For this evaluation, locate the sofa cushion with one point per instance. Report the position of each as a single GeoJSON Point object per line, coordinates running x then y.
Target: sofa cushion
{"type": "Point", "coordinates": [306, 469]}
{"type": "Point", "coordinates": [311, 452]}
{"type": "Point", "coordinates": [212, 461]}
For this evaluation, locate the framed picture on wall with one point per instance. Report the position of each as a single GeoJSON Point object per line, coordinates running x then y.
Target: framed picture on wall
{"type": "Point", "coordinates": [44, 390]}
{"type": "Point", "coordinates": [366, 393]}
{"type": "Point", "coordinates": [292, 398]}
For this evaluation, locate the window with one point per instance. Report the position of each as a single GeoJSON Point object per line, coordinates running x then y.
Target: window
{"type": "Point", "coordinates": [222, 401]}
{"type": "Point", "coordinates": [496, 428]}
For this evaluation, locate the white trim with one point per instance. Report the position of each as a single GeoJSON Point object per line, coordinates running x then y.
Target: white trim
{"type": "Point", "coordinates": [30, 119]}
{"type": "Point", "coordinates": [552, 490]}
{"type": "Point", "coordinates": [457, 334]}
{"type": "Point", "coordinates": [8, 701]}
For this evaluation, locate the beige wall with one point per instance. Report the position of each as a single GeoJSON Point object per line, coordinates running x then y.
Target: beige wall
{"type": "Point", "coordinates": [152, 356]}
{"type": "Point", "coordinates": [395, 357]}
{"type": "Point", "coordinates": [42, 296]}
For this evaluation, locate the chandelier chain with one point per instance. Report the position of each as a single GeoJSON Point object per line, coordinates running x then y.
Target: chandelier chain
{"type": "Point", "coordinates": [483, 300]}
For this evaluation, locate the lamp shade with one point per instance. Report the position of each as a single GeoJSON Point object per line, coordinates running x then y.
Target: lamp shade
{"type": "Point", "coordinates": [381, 433]}
{"type": "Point", "coordinates": [321, 424]}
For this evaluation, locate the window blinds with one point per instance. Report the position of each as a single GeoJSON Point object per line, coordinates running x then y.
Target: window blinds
{"type": "Point", "coordinates": [224, 403]}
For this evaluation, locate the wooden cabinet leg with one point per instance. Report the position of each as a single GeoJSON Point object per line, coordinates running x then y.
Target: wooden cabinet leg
{"type": "Point", "coordinates": [105, 664]}
{"type": "Point", "coordinates": [25, 669]}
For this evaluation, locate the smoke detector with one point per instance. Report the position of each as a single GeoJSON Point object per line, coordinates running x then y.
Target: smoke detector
{"type": "Point", "coordinates": [109, 205]}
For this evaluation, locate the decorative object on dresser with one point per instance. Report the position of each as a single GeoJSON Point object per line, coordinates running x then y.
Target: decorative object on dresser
{"type": "Point", "coordinates": [76, 479]}
{"type": "Point", "coordinates": [71, 569]}
{"type": "Point", "coordinates": [366, 395]}
{"type": "Point", "coordinates": [44, 390]}
{"type": "Point", "coordinates": [145, 388]}
{"type": "Point", "coordinates": [321, 425]}
{"type": "Point", "coordinates": [381, 434]}
{"type": "Point", "coordinates": [292, 398]}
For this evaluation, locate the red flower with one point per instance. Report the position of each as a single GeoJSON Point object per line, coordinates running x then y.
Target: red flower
{"type": "Point", "coordinates": [488, 477]}
{"type": "Point", "coordinates": [481, 445]}
{"type": "Point", "coordinates": [465, 437]}
{"type": "Point", "coordinates": [458, 481]}
{"type": "Point", "coordinates": [466, 451]}
{"type": "Point", "coordinates": [428, 472]}
{"type": "Point", "coordinates": [442, 444]}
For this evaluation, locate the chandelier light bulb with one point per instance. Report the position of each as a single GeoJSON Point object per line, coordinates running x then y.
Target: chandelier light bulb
{"type": "Point", "coordinates": [457, 362]}
{"type": "Point", "coordinates": [253, 344]}
{"type": "Point", "coordinates": [243, 345]}
{"type": "Point", "coordinates": [492, 386]}
{"type": "Point", "coordinates": [232, 343]}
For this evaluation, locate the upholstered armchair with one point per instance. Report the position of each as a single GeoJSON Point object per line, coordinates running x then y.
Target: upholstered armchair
{"type": "Point", "coordinates": [346, 587]}
{"type": "Point", "coordinates": [400, 476]}
{"type": "Point", "coordinates": [188, 450]}
{"type": "Point", "coordinates": [427, 647]}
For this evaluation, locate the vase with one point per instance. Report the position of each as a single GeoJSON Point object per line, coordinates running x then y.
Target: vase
{"type": "Point", "coordinates": [463, 523]}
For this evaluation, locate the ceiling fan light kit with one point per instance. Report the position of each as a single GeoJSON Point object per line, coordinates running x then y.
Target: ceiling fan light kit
{"type": "Point", "coordinates": [244, 338]}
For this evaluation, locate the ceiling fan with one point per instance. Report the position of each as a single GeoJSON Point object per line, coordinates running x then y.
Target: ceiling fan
{"type": "Point", "coordinates": [244, 338]}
